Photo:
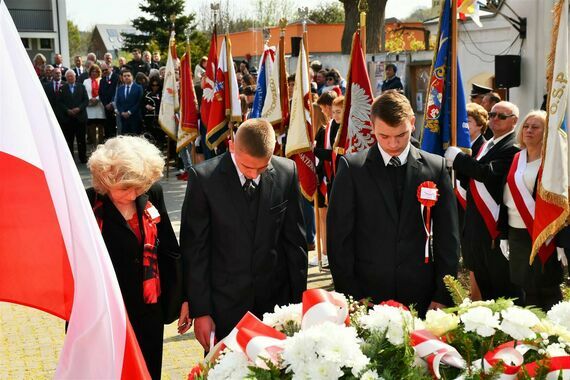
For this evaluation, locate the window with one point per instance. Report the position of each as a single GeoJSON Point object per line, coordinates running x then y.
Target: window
{"type": "Point", "coordinates": [46, 44]}
{"type": "Point", "coordinates": [27, 43]}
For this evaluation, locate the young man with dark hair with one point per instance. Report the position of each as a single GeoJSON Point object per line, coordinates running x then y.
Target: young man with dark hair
{"type": "Point", "coordinates": [242, 234]}
{"type": "Point", "coordinates": [392, 82]}
{"type": "Point", "coordinates": [377, 243]}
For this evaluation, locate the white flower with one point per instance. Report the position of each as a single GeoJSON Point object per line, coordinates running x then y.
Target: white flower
{"type": "Point", "coordinates": [518, 322]}
{"type": "Point", "coordinates": [283, 314]}
{"type": "Point", "coordinates": [369, 375]}
{"type": "Point", "coordinates": [481, 320]}
{"type": "Point", "coordinates": [547, 328]}
{"type": "Point", "coordinates": [231, 365]}
{"type": "Point", "coordinates": [560, 314]}
{"type": "Point", "coordinates": [322, 351]}
{"type": "Point", "coordinates": [439, 322]}
{"type": "Point", "coordinates": [389, 320]}
{"type": "Point", "coordinates": [556, 349]}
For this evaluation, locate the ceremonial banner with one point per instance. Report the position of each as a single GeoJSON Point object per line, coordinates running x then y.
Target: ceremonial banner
{"type": "Point", "coordinates": [263, 77]}
{"type": "Point", "coordinates": [209, 79]}
{"type": "Point", "coordinates": [283, 88]}
{"type": "Point", "coordinates": [52, 255]}
{"type": "Point", "coordinates": [552, 208]}
{"type": "Point", "coordinates": [272, 105]}
{"type": "Point", "coordinates": [188, 130]}
{"type": "Point", "coordinates": [225, 106]}
{"type": "Point", "coordinates": [169, 103]}
{"type": "Point", "coordinates": [299, 145]}
{"type": "Point", "coordinates": [356, 132]}
{"type": "Point", "coordinates": [436, 133]}
{"type": "Point", "coordinates": [471, 8]}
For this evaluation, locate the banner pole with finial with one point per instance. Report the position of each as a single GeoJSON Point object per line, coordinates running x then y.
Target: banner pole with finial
{"type": "Point", "coordinates": [363, 8]}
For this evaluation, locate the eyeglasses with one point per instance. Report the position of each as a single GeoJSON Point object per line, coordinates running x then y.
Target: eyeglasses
{"type": "Point", "coordinates": [501, 116]}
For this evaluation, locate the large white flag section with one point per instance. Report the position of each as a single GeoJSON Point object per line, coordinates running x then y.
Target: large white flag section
{"type": "Point", "coordinates": [52, 254]}
{"type": "Point", "coordinates": [552, 206]}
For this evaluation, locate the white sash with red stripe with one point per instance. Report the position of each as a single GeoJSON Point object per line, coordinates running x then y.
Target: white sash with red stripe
{"type": "Point", "coordinates": [524, 201]}
{"type": "Point", "coordinates": [486, 205]}
{"type": "Point", "coordinates": [461, 194]}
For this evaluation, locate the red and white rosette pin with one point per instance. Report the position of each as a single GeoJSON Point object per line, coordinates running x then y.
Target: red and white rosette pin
{"type": "Point", "coordinates": [427, 196]}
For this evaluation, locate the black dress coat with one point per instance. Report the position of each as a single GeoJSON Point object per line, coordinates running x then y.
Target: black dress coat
{"type": "Point", "coordinates": [376, 250]}
{"type": "Point", "coordinates": [235, 262]}
{"type": "Point", "coordinates": [126, 255]}
{"type": "Point", "coordinates": [67, 100]}
{"type": "Point", "coordinates": [479, 249]}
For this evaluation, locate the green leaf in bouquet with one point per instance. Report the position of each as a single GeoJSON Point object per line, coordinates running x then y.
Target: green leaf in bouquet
{"type": "Point", "coordinates": [291, 328]}
{"type": "Point", "coordinates": [457, 291]}
{"type": "Point", "coordinates": [273, 372]}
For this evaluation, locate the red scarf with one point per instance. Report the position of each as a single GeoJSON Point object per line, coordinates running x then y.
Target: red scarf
{"type": "Point", "coordinates": [94, 88]}
{"type": "Point", "coordinates": [151, 278]}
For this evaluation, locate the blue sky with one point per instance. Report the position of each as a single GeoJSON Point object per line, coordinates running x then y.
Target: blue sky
{"type": "Point", "coordinates": [87, 13]}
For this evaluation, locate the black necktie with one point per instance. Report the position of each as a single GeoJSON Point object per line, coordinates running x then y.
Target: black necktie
{"type": "Point", "coordinates": [394, 161]}
{"type": "Point", "coordinates": [249, 188]}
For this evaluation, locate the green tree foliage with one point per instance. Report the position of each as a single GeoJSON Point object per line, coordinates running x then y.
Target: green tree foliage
{"type": "Point", "coordinates": [328, 13]}
{"type": "Point", "coordinates": [154, 29]}
{"type": "Point", "coordinates": [74, 38]}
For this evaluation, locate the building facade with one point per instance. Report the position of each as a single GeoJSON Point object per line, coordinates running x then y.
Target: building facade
{"type": "Point", "coordinates": [42, 25]}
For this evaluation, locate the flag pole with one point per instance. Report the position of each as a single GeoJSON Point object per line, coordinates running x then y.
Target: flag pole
{"type": "Point", "coordinates": [172, 28]}
{"type": "Point", "coordinates": [188, 52]}
{"type": "Point", "coordinates": [304, 13]}
{"type": "Point", "coordinates": [453, 65]}
{"type": "Point", "coordinates": [284, 97]}
{"type": "Point", "coordinates": [363, 8]}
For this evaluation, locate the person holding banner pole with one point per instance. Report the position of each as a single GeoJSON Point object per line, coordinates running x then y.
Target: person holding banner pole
{"type": "Point", "coordinates": [541, 280]}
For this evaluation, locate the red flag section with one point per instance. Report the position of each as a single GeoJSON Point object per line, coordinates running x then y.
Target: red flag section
{"type": "Point", "coordinates": [42, 281]}
{"type": "Point", "coordinates": [209, 79]}
{"type": "Point", "coordinates": [356, 133]}
{"type": "Point", "coordinates": [188, 130]}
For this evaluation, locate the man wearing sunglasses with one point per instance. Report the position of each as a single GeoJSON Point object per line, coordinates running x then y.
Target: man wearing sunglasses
{"type": "Point", "coordinates": [487, 173]}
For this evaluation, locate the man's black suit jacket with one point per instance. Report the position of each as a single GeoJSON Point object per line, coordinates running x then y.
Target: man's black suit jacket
{"type": "Point", "coordinates": [377, 251]}
{"type": "Point", "coordinates": [67, 101]}
{"type": "Point", "coordinates": [52, 96]}
{"type": "Point", "coordinates": [108, 87]}
{"type": "Point", "coordinates": [492, 170]}
{"type": "Point", "coordinates": [228, 268]}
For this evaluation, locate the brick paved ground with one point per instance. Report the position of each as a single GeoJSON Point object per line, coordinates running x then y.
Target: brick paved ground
{"type": "Point", "coordinates": [30, 340]}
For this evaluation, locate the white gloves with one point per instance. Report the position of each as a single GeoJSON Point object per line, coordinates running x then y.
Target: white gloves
{"type": "Point", "coordinates": [562, 256]}
{"type": "Point", "coordinates": [504, 245]}
{"type": "Point", "coordinates": [450, 154]}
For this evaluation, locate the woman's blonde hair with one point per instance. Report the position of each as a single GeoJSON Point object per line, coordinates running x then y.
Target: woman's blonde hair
{"type": "Point", "coordinates": [479, 114]}
{"type": "Point", "coordinates": [125, 162]}
{"type": "Point", "coordinates": [539, 114]}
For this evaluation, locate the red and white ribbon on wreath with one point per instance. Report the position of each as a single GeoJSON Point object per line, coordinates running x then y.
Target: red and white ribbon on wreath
{"type": "Point", "coordinates": [321, 306]}
{"type": "Point", "coordinates": [558, 368]}
{"type": "Point", "coordinates": [255, 339]}
{"type": "Point", "coordinates": [427, 196]}
{"type": "Point", "coordinates": [434, 351]}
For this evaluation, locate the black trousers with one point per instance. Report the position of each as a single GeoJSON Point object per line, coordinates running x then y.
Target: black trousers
{"type": "Point", "coordinates": [75, 129]}
{"type": "Point", "coordinates": [110, 124]}
{"type": "Point", "coordinates": [491, 269]}
{"type": "Point", "coordinates": [540, 282]}
{"type": "Point", "coordinates": [149, 330]}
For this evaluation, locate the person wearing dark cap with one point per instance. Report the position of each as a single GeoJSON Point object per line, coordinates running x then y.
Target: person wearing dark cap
{"type": "Point", "coordinates": [478, 92]}
{"type": "Point", "coordinates": [392, 82]}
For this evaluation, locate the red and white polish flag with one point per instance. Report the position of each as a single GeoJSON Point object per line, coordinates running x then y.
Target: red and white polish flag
{"type": "Point", "coordinates": [52, 254]}
{"type": "Point", "coordinates": [320, 306]}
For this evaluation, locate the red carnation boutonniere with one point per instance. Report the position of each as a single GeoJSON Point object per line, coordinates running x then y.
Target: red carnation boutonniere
{"type": "Point", "coordinates": [427, 196]}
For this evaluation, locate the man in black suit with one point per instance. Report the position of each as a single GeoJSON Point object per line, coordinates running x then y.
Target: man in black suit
{"type": "Point", "coordinates": [72, 103]}
{"type": "Point", "coordinates": [392, 82]}
{"type": "Point", "coordinates": [58, 63]}
{"type": "Point", "coordinates": [487, 173]}
{"type": "Point", "coordinates": [107, 89]}
{"type": "Point", "coordinates": [53, 90]}
{"type": "Point", "coordinates": [242, 233]}
{"type": "Point", "coordinates": [78, 68]}
{"type": "Point", "coordinates": [137, 64]}
{"type": "Point", "coordinates": [378, 247]}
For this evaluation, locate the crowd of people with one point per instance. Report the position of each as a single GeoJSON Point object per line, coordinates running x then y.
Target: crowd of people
{"type": "Point", "coordinates": [246, 230]}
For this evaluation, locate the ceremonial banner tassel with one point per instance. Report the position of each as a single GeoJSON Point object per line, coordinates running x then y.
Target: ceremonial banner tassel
{"type": "Point", "coordinates": [300, 137]}
{"type": "Point", "coordinates": [552, 207]}
{"type": "Point", "coordinates": [169, 104]}
{"type": "Point", "coordinates": [188, 130]}
{"type": "Point", "coordinates": [52, 254]}
{"type": "Point", "coordinates": [436, 132]}
{"type": "Point", "coordinates": [356, 132]}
